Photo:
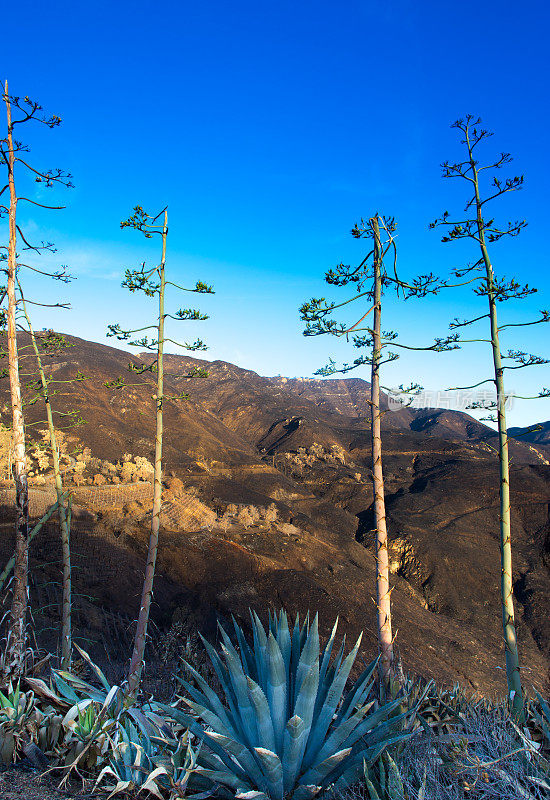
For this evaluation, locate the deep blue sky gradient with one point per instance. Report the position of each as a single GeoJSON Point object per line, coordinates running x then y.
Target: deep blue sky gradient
{"type": "Point", "coordinates": [269, 129]}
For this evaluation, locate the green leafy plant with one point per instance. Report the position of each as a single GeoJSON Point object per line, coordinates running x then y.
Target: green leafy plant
{"type": "Point", "coordinates": [17, 713]}
{"type": "Point", "coordinates": [89, 728]}
{"type": "Point", "coordinates": [288, 726]}
{"type": "Point", "coordinates": [88, 731]}
{"type": "Point", "coordinates": [383, 780]}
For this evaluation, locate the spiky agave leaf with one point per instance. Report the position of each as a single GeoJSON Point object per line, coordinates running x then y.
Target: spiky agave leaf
{"type": "Point", "coordinates": [304, 711]}
{"type": "Point", "coordinates": [296, 734]}
{"type": "Point", "coordinates": [222, 756]}
{"type": "Point", "coordinates": [259, 649]}
{"type": "Point", "coordinates": [222, 673]}
{"type": "Point", "coordinates": [328, 709]}
{"type": "Point", "coordinates": [273, 771]}
{"type": "Point", "coordinates": [245, 650]}
{"type": "Point", "coordinates": [277, 688]}
{"type": "Point", "coordinates": [242, 755]}
{"type": "Point", "coordinates": [316, 775]}
{"type": "Point", "coordinates": [542, 717]}
{"type": "Point", "coordinates": [388, 783]}
{"type": "Point", "coordinates": [225, 778]}
{"type": "Point", "coordinates": [206, 696]}
{"type": "Point", "coordinates": [264, 722]}
{"type": "Point", "coordinates": [240, 688]}
{"type": "Point", "coordinates": [308, 657]}
{"type": "Point", "coordinates": [282, 634]}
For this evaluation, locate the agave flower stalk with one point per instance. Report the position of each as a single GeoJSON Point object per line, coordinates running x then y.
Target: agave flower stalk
{"type": "Point", "coordinates": [477, 224]}
{"type": "Point", "coordinates": [136, 663]}
{"type": "Point", "coordinates": [66, 631]}
{"type": "Point", "coordinates": [383, 602]}
{"type": "Point", "coordinates": [17, 633]}
{"type": "Point", "coordinates": [152, 282]}
{"type": "Point", "coordinates": [371, 277]}
{"type": "Point", "coordinates": [21, 111]}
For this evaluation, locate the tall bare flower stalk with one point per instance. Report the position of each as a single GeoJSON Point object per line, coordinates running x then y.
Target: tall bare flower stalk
{"type": "Point", "coordinates": [138, 654]}
{"type": "Point", "coordinates": [20, 111]}
{"type": "Point", "coordinates": [383, 602]}
{"type": "Point", "coordinates": [370, 279]}
{"type": "Point", "coordinates": [17, 632]}
{"type": "Point", "coordinates": [479, 227]}
{"type": "Point", "coordinates": [64, 524]}
{"type": "Point", "coordinates": [152, 282]}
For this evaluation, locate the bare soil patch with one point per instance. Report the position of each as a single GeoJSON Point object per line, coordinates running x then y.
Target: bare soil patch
{"type": "Point", "coordinates": [19, 784]}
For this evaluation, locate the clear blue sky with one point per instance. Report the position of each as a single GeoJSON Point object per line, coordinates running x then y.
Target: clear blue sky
{"type": "Point", "coordinates": [269, 129]}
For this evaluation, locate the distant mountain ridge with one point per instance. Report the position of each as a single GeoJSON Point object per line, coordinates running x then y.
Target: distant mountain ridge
{"type": "Point", "coordinates": [539, 433]}
{"type": "Point", "coordinates": [346, 397]}
{"type": "Point", "coordinates": [350, 396]}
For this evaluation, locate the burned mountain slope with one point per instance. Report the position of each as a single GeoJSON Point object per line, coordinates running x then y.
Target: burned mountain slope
{"type": "Point", "coordinates": [268, 502]}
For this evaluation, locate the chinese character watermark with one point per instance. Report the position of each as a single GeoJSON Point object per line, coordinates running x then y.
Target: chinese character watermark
{"type": "Point", "coordinates": [456, 399]}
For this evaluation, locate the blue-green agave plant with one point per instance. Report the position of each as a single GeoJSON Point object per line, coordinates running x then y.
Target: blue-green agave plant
{"type": "Point", "coordinates": [288, 726]}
